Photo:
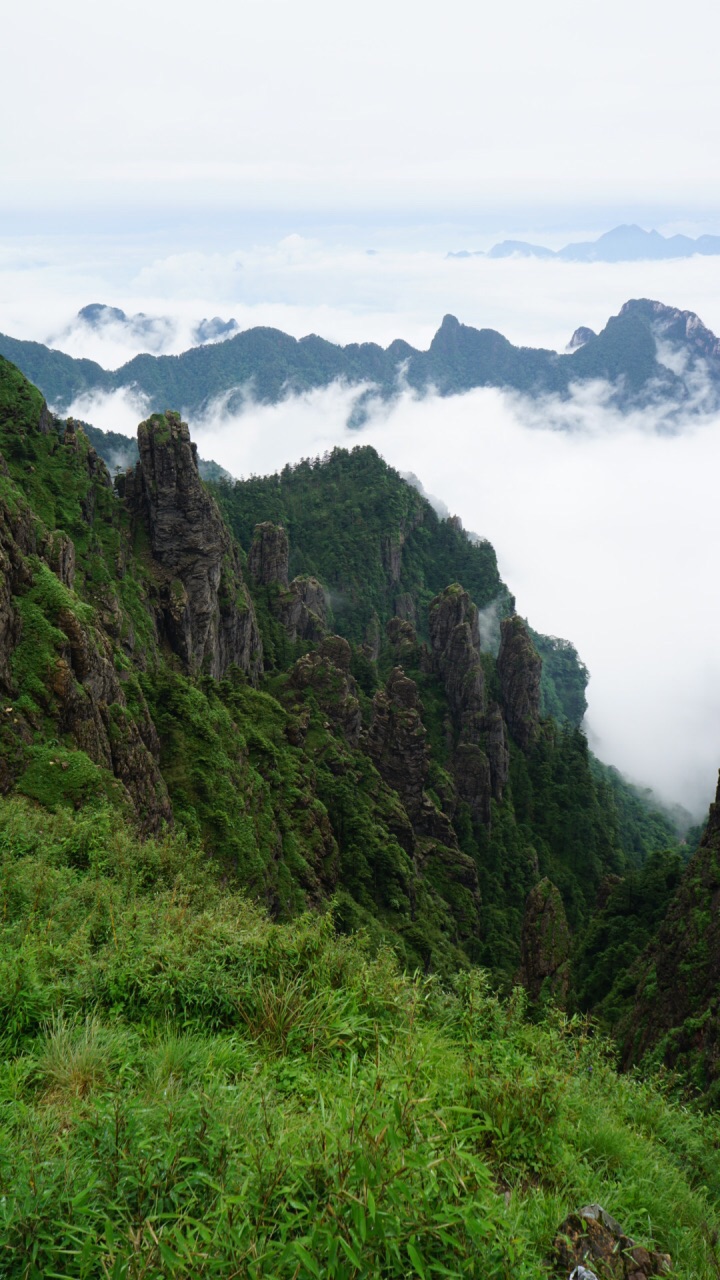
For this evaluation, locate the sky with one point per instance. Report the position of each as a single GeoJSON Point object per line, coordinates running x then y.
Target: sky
{"type": "Point", "coordinates": [265, 104]}
{"type": "Point", "coordinates": [310, 167]}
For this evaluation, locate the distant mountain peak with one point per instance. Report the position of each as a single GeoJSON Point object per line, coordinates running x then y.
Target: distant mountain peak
{"type": "Point", "coordinates": [625, 243]}
{"type": "Point", "coordinates": [648, 354]}
{"type": "Point", "coordinates": [95, 314]}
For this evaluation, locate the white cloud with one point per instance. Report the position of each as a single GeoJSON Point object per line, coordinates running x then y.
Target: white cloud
{"type": "Point", "coordinates": [305, 285]}
{"type": "Point", "coordinates": [608, 535]}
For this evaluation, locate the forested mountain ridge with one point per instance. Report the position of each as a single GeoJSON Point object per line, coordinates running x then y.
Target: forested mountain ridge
{"type": "Point", "coordinates": [267, 748]}
{"type": "Point", "coordinates": [145, 649]}
{"type": "Point", "coordinates": [267, 365]}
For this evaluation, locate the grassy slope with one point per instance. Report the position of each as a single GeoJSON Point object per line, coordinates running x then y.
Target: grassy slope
{"type": "Point", "coordinates": [189, 1090]}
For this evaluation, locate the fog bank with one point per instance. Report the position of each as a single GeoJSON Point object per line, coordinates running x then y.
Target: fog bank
{"type": "Point", "coordinates": [607, 534]}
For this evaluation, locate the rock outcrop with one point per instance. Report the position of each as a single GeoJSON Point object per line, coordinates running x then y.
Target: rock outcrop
{"type": "Point", "coordinates": [205, 612]}
{"type": "Point", "coordinates": [327, 672]}
{"type": "Point", "coordinates": [455, 648]}
{"type": "Point", "coordinates": [298, 605]}
{"type": "Point", "coordinates": [545, 945]}
{"type": "Point", "coordinates": [397, 744]}
{"type": "Point", "coordinates": [471, 770]}
{"type": "Point", "coordinates": [594, 1243]}
{"type": "Point", "coordinates": [66, 662]}
{"type": "Point", "coordinates": [269, 555]}
{"type": "Point", "coordinates": [480, 754]}
{"type": "Point", "coordinates": [519, 670]}
{"type": "Point", "coordinates": [301, 609]}
{"type": "Point", "coordinates": [496, 749]}
{"type": "Point", "coordinates": [678, 996]}
{"type": "Point", "coordinates": [92, 707]}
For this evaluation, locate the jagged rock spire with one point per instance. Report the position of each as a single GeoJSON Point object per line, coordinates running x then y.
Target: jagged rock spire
{"type": "Point", "coordinates": [206, 613]}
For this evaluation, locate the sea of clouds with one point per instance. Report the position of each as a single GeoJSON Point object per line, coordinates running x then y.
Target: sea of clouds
{"type": "Point", "coordinates": [606, 529]}
{"type": "Point", "coordinates": [302, 285]}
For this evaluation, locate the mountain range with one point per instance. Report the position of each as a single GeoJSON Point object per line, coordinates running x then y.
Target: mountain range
{"type": "Point", "coordinates": [280, 767]}
{"type": "Point", "coordinates": [628, 243]}
{"type": "Point", "coordinates": [648, 354]}
{"type": "Point", "coordinates": [152, 331]}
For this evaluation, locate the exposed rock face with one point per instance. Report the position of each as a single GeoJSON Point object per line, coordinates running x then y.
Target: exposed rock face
{"type": "Point", "coordinates": [205, 612]}
{"type": "Point", "coordinates": [300, 604]}
{"type": "Point", "coordinates": [519, 669]}
{"type": "Point", "coordinates": [373, 636]}
{"type": "Point", "coordinates": [402, 637]}
{"type": "Point", "coordinates": [405, 607]}
{"type": "Point", "coordinates": [269, 555]}
{"type": "Point", "coordinates": [471, 770]}
{"type": "Point", "coordinates": [481, 757]}
{"type": "Point", "coordinates": [545, 944]}
{"type": "Point", "coordinates": [59, 552]}
{"type": "Point", "coordinates": [327, 672]}
{"type": "Point", "coordinates": [397, 741]}
{"type": "Point", "coordinates": [302, 611]}
{"type": "Point", "coordinates": [455, 646]}
{"type": "Point", "coordinates": [497, 749]}
{"type": "Point", "coordinates": [83, 694]}
{"type": "Point", "coordinates": [91, 706]}
{"type": "Point", "coordinates": [397, 744]}
{"type": "Point", "coordinates": [594, 1240]}
{"type": "Point", "coordinates": [678, 996]}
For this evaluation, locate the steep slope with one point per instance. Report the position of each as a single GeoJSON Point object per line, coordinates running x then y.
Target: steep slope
{"type": "Point", "coordinates": [189, 1090]}
{"type": "Point", "coordinates": [268, 365]}
{"type": "Point", "coordinates": [675, 1015]}
{"type": "Point", "coordinates": [403, 768]}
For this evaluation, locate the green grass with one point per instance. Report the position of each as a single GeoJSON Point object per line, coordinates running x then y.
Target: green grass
{"type": "Point", "coordinates": [188, 1090]}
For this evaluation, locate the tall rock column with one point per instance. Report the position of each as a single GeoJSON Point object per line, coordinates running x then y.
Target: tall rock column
{"type": "Point", "coordinates": [298, 605]}
{"type": "Point", "coordinates": [205, 610]}
{"type": "Point", "coordinates": [545, 944]}
{"type": "Point", "coordinates": [480, 760]}
{"type": "Point", "coordinates": [519, 669]}
{"type": "Point", "coordinates": [455, 646]}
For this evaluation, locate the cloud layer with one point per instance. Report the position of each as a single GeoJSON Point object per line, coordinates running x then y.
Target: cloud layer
{"type": "Point", "coordinates": [608, 534]}
{"type": "Point", "coordinates": [306, 285]}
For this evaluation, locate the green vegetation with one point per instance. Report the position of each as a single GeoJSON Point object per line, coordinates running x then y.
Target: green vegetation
{"type": "Point", "coordinates": [369, 537]}
{"type": "Point", "coordinates": [190, 1090]}
{"type": "Point", "coordinates": [244, 1027]}
{"type": "Point", "coordinates": [271, 363]}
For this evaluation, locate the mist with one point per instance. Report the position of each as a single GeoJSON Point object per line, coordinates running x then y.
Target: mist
{"type": "Point", "coordinates": [344, 291]}
{"type": "Point", "coordinates": [607, 534]}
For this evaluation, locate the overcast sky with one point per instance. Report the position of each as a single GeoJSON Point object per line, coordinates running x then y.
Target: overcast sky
{"type": "Point", "coordinates": [242, 158]}
{"type": "Point", "coordinates": [275, 103]}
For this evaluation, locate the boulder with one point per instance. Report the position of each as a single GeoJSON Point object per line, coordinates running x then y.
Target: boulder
{"type": "Point", "coordinates": [593, 1239]}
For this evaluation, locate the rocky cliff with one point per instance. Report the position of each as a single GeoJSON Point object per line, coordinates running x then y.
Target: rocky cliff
{"type": "Point", "coordinates": [455, 648]}
{"type": "Point", "coordinates": [58, 669]}
{"type": "Point", "coordinates": [364, 765]}
{"type": "Point", "coordinates": [519, 670]}
{"type": "Point", "coordinates": [480, 753]}
{"type": "Point", "coordinates": [204, 611]}
{"type": "Point", "coordinates": [545, 945]}
{"type": "Point", "coordinates": [299, 605]}
{"type": "Point", "coordinates": [676, 1014]}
